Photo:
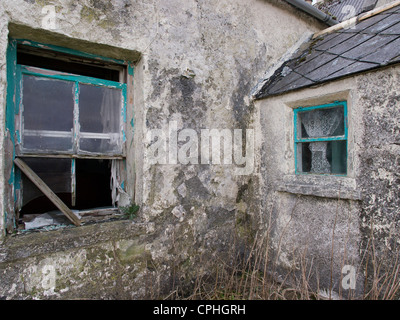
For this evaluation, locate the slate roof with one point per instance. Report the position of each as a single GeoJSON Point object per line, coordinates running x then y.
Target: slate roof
{"type": "Point", "coordinates": [372, 43]}
{"type": "Point", "coordinates": [346, 9]}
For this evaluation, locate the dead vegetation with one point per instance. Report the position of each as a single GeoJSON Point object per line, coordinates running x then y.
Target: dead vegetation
{"type": "Point", "coordinates": [257, 278]}
{"type": "Point", "coordinates": [254, 273]}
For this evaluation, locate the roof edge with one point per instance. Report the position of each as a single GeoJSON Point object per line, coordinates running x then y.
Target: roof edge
{"type": "Point", "coordinates": [313, 11]}
{"type": "Point", "coordinates": [354, 20]}
{"type": "Point", "coordinates": [256, 90]}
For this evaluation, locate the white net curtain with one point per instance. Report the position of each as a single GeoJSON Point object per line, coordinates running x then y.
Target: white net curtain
{"type": "Point", "coordinates": [318, 124]}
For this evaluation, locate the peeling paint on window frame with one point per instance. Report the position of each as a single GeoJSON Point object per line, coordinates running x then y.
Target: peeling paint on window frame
{"type": "Point", "coordinates": [298, 140]}
{"type": "Point", "coordinates": [13, 116]}
{"type": "Point", "coordinates": [76, 80]}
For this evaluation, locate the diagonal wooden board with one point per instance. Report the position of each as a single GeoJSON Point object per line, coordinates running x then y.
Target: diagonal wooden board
{"type": "Point", "coordinates": [47, 191]}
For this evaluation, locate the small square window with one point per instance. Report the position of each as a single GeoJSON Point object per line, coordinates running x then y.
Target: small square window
{"type": "Point", "coordinates": [321, 139]}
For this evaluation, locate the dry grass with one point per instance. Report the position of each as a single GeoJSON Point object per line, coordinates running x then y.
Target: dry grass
{"type": "Point", "coordinates": [252, 272]}
{"type": "Point", "coordinates": [255, 278]}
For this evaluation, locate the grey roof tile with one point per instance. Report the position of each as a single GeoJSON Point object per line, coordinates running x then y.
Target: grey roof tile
{"type": "Point", "coordinates": [374, 42]}
{"type": "Point", "coordinates": [350, 43]}
{"type": "Point", "coordinates": [286, 82]}
{"type": "Point", "coordinates": [365, 23]}
{"type": "Point", "coordinates": [357, 66]}
{"type": "Point", "coordinates": [394, 29]}
{"type": "Point", "coordinates": [384, 54]}
{"type": "Point", "coordinates": [301, 82]}
{"type": "Point", "coordinates": [368, 46]}
{"type": "Point", "coordinates": [345, 9]}
{"type": "Point", "coordinates": [319, 60]}
{"type": "Point", "coordinates": [338, 39]}
{"type": "Point", "coordinates": [328, 37]}
{"type": "Point", "coordinates": [392, 10]}
{"type": "Point", "coordinates": [381, 25]}
{"type": "Point", "coordinates": [326, 70]}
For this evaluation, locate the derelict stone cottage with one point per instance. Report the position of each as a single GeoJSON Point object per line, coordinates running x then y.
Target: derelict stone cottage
{"type": "Point", "coordinates": [333, 106]}
{"type": "Point", "coordinates": [144, 142]}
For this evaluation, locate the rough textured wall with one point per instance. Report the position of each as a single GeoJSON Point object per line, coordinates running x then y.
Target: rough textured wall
{"type": "Point", "coordinates": [380, 165]}
{"type": "Point", "coordinates": [322, 223]}
{"type": "Point", "coordinates": [195, 63]}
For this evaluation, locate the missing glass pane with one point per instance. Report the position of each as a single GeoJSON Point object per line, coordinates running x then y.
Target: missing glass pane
{"type": "Point", "coordinates": [41, 58]}
{"type": "Point", "coordinates": [93, 183]}
{"type": "Point", "coordinates": [93, 189]}
{"type": "Point", "coordinates": [56, 173]}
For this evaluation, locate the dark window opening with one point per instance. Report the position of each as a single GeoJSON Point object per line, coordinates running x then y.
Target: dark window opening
{"type": "Point", "coordinates": [57, 174]}
{"type": "Point", "coordinates": [67, 63]}
{"type": "Point", "coordinates": [90, 186]}
{"type": "Point", "coordinates": [93, 183]}
{"type": "Point", "coordinates": [69, 135]}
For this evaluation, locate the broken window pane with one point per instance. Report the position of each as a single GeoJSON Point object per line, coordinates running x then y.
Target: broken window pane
{"type": "Point", "coordinates": [56, 173]}
{"type": "Point", "coordinates": [327, 122]}
{"type": "Point", "coordinates": [93, 178]}
{"type": "Point", "coordinates": [99, 118]}
{"type": "Point", "coordinates": [65, 114]}
{"type": "Point", "coordinates": [48, 106]}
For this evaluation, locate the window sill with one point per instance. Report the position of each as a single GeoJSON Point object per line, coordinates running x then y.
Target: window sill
{"type": "Point", "coordinates": [22, 246]}
{"type": "Point", "coordinates": [335, 187]}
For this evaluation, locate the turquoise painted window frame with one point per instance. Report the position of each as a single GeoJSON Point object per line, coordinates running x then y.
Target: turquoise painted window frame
{"type": "Point", "coordinates": [13, 136]}
{"type": "Point", "coordinates": [298, 140]}
{"type": "Point", "coordinates": [76, 79]}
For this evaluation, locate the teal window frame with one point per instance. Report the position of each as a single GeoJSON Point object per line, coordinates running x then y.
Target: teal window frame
{"type": "Point", "coordinates": [13, 133]}
{"type": "Point", "coordinates": [298, 140]}
{"type": "Point", "coordinates": [77, 80]}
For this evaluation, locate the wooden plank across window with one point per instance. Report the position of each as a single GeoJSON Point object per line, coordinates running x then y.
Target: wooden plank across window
{"type": "Point", "coordinates": [47, 191]}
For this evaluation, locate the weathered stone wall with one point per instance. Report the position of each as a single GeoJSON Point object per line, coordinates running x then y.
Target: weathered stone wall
{"type": "Point", "coordinates": [380, 169]}
{"type": "Point", "coordinates": [195, 63]}
{"type": "Point", "coordinates": [322, 223]}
